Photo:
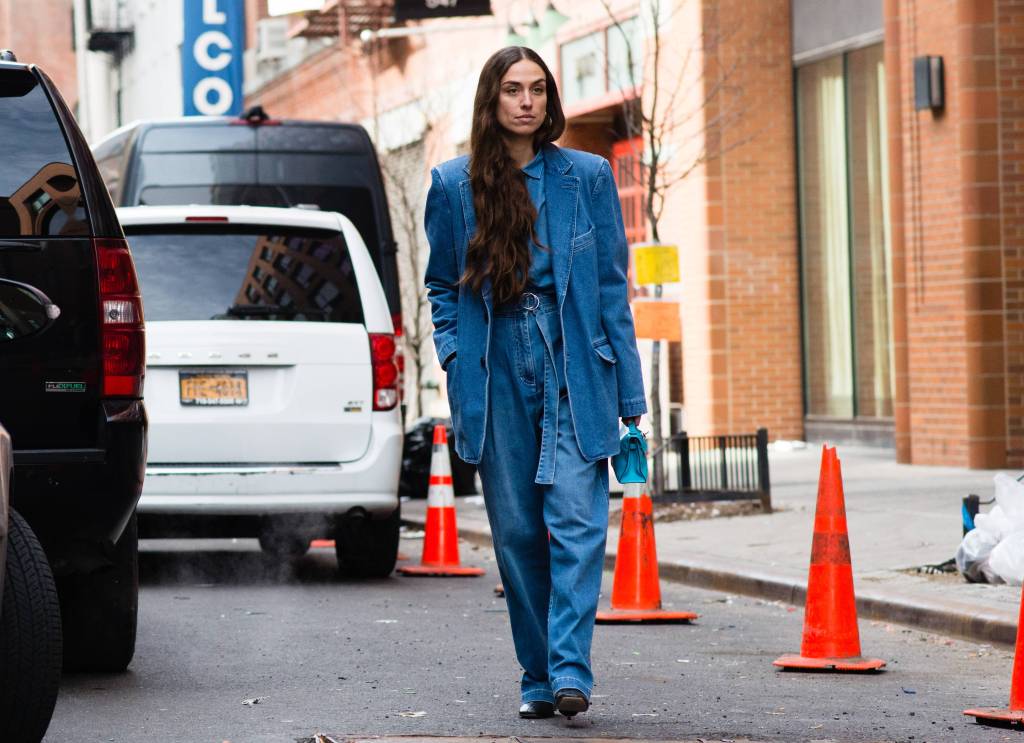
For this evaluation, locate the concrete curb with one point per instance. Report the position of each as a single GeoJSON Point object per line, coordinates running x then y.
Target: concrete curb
{"type": "Point", "coordinates": [960, 621]}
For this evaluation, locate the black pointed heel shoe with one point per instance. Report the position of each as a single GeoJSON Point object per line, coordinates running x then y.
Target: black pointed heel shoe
{"type": "Point", "coordinates": [571, 701]}
{"type": "Point", "coordinates": [537, 709]}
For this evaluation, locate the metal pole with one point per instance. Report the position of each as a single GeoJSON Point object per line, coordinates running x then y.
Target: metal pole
{"type": "Point", "coordinates": [762, 470]}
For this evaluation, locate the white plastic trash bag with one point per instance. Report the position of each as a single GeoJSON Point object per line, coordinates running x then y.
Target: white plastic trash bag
{"type": "Point", "coordinates": [994, 522]}
{"type": "Point", "coordinates": [994, 550]}
{"type": "Point", "coordinates": [973, 554]}
{"type": "Point", "coordinates": [1010, 498]}
{"type": "Point", "coordinates": [1007, 559]}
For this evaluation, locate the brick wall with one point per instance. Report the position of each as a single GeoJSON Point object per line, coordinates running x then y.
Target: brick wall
{"type": "Point", "coordinates": [741, 316]}
{"type": "Point", "coordinates": [40, 32]}
{"type": "Point", "coordinates": [1010, 75]}
{"type": "Point", "coordinates": [952, 398]}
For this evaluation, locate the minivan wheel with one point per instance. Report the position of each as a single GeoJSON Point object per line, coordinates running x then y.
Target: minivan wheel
{"type": "Point", "coordinates": [30, 639]}
{"type": "Point", "coordinates": [368, 547]}
{"type": "Point", "coordinates": [100, 610]}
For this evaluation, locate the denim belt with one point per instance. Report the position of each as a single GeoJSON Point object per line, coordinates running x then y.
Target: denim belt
{"type": "Point", "coordinates": [528, 302]}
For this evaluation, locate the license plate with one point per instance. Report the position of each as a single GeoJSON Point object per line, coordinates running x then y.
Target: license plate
{"type": "Point", "coordinates": [214, 388]}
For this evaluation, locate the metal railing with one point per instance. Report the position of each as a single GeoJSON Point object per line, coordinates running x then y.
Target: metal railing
{"type": "Point", "coordinates": [713, 468]}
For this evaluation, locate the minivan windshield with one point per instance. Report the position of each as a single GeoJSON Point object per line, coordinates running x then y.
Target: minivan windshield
{"type": "Point", "coordinates": [245, 273]}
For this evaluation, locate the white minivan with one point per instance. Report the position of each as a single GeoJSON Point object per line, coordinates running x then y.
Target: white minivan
{"type": "Point", "coordinates": [271, 381]}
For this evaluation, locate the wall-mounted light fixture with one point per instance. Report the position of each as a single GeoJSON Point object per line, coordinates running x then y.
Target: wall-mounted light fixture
{"type": "Point", "coordinates": [929, 86]}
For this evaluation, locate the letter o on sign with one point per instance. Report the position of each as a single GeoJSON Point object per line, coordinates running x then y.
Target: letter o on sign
{"type": "Point", "coordinates": [222, 104]}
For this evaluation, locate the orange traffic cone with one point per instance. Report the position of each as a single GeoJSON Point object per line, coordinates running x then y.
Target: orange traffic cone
{"type": "Point", "coordinates": [636, 594]}
{"type": "Point", "coordinates": [831, 640]}
{"type": "Point", "coordinates": [441, 542]}
{"type": "Point", "coordinates": [1015, 712]}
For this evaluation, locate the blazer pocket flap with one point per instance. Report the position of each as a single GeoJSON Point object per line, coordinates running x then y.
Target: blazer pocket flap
{"type": "Point", "coordinates": [604, 349]}
{"type": "Point", "coordinates": [581, 242]}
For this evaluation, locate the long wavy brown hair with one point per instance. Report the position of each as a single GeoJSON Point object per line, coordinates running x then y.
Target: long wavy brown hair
{"type": "Point", "coordinates": [505, 215]}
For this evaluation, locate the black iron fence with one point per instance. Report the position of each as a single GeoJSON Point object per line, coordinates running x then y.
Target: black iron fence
{"type": "Point", "coordinates": [712, 468]}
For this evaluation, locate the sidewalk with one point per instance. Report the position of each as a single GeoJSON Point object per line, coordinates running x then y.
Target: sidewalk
{"type": "Point", "coordinates": [900, 517]}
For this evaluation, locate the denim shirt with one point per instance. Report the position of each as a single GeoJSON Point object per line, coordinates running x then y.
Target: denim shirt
{"type": "Point", "coordinates": [542, 275]}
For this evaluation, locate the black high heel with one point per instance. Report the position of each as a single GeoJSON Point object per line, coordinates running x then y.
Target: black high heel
{"type": "Point", "coordinates": [571, 701]}
{"type": "Point", "coordinates": [537, 709]}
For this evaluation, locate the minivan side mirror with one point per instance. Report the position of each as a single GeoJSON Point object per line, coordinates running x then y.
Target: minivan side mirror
{"type": "Point", "coordinates": [24, 311]}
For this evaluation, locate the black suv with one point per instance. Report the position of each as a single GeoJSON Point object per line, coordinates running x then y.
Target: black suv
{"type": "Point", "coordinates": [71, 396]}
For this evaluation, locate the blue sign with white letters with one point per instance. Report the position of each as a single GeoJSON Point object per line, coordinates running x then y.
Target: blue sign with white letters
{"type": "Point", "coordinates": [211, 57]}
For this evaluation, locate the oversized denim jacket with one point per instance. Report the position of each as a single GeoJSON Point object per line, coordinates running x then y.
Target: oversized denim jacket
{"type": "Point", "coordinates": [590, 256]}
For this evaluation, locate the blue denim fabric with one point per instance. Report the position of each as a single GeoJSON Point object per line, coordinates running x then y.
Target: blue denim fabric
{"type": "Point", "coordinates": [589, 259]}
{"type": "Point", "coordinates": [536, 481]}
{"type": "Point", "coordinates": [542, 275]}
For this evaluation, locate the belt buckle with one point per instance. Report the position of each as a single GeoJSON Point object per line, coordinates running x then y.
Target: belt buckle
{"type": "Point", "coordinates": [526, 304]}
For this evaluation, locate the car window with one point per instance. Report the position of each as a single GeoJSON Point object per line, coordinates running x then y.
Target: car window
{"type": "Point", "coordinates": [355, 202]}
{"type": "Point", "coordinates": [39, 187]}
{"type": "Point", "coordinates": [110, 157]}
{"type": "Point", "coordinates": [311, 138]}
{"type": "Point", "coordinates": [198, 139]}
{"type": "Point", "coordinates": [249, 274]}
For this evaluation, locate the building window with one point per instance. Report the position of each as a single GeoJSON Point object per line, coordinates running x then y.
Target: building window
{"type": "Point", "coordinates": [844, 236]}
{"type": "Point", "coordinates": [599, 63]}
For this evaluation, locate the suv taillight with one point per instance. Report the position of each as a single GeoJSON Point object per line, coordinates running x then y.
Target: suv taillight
{"type": "Point", "coordinates": [385, 371]}
{"type": "Point", "coordinates": [121, 326]}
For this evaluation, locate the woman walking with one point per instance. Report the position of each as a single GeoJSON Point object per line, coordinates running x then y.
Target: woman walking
{"type": "Point", "coordinates": [527, 285]}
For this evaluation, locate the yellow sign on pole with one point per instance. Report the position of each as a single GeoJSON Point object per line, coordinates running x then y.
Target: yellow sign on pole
{"type": "Point", "coordinates": [656, 263]}
{"type": "Point", "coordinates": [657, 320]}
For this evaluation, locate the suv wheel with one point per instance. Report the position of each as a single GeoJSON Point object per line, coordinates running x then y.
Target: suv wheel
{"type": "Point", "coordinates": [30, 640]}
{"type": "Point", "coordinates": [100, 610]}
{"type": "Point", "coordinates": [367, 547]}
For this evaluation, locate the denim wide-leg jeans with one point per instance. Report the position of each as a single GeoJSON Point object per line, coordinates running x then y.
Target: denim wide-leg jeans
{"type": "Point", "coordinates": [536, 483]}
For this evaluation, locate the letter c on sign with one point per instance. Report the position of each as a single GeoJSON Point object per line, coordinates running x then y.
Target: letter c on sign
{"type": "Point", "coordinates": [201, 50]}
{"type": "Point", "coordinates": [224, 96]}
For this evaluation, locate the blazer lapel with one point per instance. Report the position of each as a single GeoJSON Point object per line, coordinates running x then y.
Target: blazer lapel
{"type": "Point", "coordinates": [469, 216]}
{"type": "Point", "coordinates": [561, 191]}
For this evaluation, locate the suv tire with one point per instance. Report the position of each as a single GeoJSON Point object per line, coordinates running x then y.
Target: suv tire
{"type": "Point", "coordinates": [30, 638]}
{"type": "Point", "coordinates": [100, 610]}
{"type": "Point", "coordinates": [367, 547]}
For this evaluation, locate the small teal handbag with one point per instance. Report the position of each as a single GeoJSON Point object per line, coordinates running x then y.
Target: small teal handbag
{"type": "Point", "coordinates": [630, 464]}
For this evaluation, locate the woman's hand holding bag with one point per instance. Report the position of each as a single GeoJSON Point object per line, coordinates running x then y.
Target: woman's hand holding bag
{"type": "Point", "coordinates": [630, 464]}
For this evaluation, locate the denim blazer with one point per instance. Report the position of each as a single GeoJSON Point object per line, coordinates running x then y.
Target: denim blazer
{"type": "Point", "coordinates": [589, 257]}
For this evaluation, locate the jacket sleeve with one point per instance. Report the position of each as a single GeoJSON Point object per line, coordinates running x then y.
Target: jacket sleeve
{"type": "Point", "coordinates": [442, 273]}
{"type": "Point", "coordinates": [615, 313]}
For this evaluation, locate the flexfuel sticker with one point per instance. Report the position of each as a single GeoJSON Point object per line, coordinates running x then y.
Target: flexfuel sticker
{"type": "Point", "coordinates": [65, 387]}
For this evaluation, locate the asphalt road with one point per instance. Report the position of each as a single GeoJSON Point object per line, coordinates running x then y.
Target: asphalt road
{"type": "Point", "coordinates": [434, 657]}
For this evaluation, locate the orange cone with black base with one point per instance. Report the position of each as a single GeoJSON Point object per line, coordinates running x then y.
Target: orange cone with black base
{"type": "Point", "coordinates": [831, 639]}
{"type": "Point", "coordinates": [1014, 714]}
{"type": "Point", "coordinates": [441, 540]}
{"type": "Point", "coordinates": [636, 593]}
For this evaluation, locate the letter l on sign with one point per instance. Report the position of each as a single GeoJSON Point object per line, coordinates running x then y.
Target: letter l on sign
{"type": "Point", "coordinates": [211, 15]}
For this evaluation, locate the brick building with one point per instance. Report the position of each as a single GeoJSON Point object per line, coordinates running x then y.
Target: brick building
{"type": "Point", "coordinates": [41, 33]}
{"type": "Point", "coordinates": [852, 266]}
